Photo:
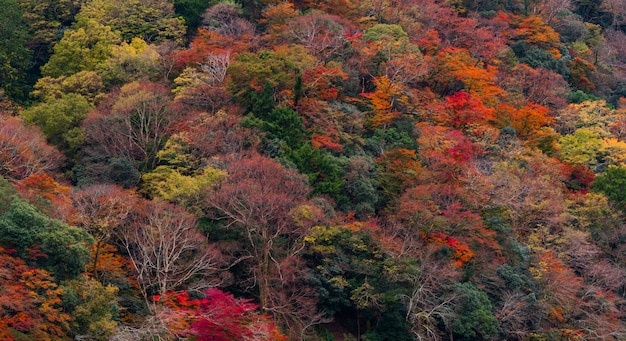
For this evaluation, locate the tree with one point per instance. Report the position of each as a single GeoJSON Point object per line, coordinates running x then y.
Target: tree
{"type": "Point", "coordinates": [322, 34]}
{"type": "Point", "coordinates": [355, 274]}
{"type": "Point", "coordinates": [46, 19]}
{"type": "Point", "coordinates": [386, 101]}
{"type": "Point", "coordinates": [133, 124]}
{"type": "Point", "coordinates": [257, 197]}
{"type": "Point", "coordinates": [526, 121]}
{"type": "Point", "coordinates": [30, 302]}
{"type": "Point", "coordinates": [47, 195]}
{"type": "Point", "coordinates": [50, 243]}
{"type": "Point", "coordinates": [85, 83]}
{"type": "Point", "coordinates": [582, 147]}
{"type": "Point", "coordinates": [251, 75]}
{"type": "Point", "coordinates": [225, 19]}
{"type": "Point", "coordinates": [14, 56]}
{"type": "Point", "coordinates": [191, 11]}
{"type": "Point", "coordinates": [167, 251]}
{"type": "Point", "coordinates": [463, 110]}
{"type": "Point", "coordinates": [180, 178]}
{"type": "Point", "coordinates": [475, 316]}
{"type": "Point", "coordinates": [533, 31]}
{"type": "Point", "coordinates": [92, 307]}
{"type": "Point", "coordinates": [133, 61]}
{"type": "Point", "coordinates": [221, 134]}
{"type": "Point", "coordinates": [398, 169]}
{"type": "Point", "coordinates": [613, 184]}
{"type": "Point", "coordinates": [60, 120]}
{"type": "Point", "coordinates": [456, 70]}
{"type": "Point", "coordinates": [82, 48]}
{"type": "Point", "coordinates": [587, 114]}
{"type": "Point", "coordinates": [101, 210]}
{"type": "Point", "coordinates": [222, 315]}
{"type": "Point", "coordinates": [276, 17]}
{"type": "Point", "coordinates": [538, 85]}
{"type": "Point", "coordinates": [152, 21]}
{"type": "Point", "coordinates": [217, 316]}
{"type": "Point", "coordinates": [23, 150]}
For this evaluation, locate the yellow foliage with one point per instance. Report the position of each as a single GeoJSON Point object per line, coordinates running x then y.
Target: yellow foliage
{"type": "Point", "coordinates": [168, 183]}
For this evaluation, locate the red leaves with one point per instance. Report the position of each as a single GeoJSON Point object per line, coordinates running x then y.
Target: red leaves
{"type": "Point", "coordinates": [218, 317]}
{"type": "Point", "coordinates": [462, 110]}
{"type": "Point", "coordinates": [461, 252]}
{"type": "Point", "coordinates": [323, 82]}
{"type": "Point", "coordinates": [578, 178]}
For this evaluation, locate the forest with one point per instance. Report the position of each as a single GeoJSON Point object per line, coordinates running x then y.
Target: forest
{"type": "Point", "coordinates": [341, 170]}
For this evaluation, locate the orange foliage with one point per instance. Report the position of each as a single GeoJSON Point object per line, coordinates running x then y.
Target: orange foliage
{"type": "Point", "coordinates": [454, 64]}
{"type": "Point", "coordinates": [385, 101]}
{"type": "Point", "coordinates": [323, 141]}
{"type": "Point", "coordinates": [581, 71]}
{"type": "Point", "coordinates": [323, 82]}
{"type": "Point", "coordinates": [111, 266]}
{"type": "Point", "coordinates": [533, 30]}
{"type": "Point", "coordinates": [276, 17]}
{"type": "Point", "coordinates": [208, 43]}
{"type": "Point", "coordinates": [46, 194]}
{"type": "Point", "coordinates": [559, 285]}
{"type": "Point", "coordinates": [526, 120]}
{"type": "Point", "coordinates": [30, 301]}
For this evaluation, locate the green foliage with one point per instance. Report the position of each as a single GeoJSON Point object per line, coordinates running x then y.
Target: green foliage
{"type": "Point", "coordinates": [323, 169]}
{"type": "Point", "coordinates": [65, 247]}
{"type": "Point", "coordinates": [475, 318]}
{"type": "Point", "coordinates": [85, 83]}
{"type": "Point", "coordinates": [14, 56]}
{"type": "Point", "coordinates": [354, 273]}
{"type": "Point", "coordinates": [538, 58]}
{"type": "Point", "coordinates": [384, 31]}
{"type": "Point", "coordinates": [121, 171]}
{"type": "Point", "coordinates": [54, 245]}
{"type": "Point", "coordinates": [514, 278]}
{"type": "Point", "coordinates": [276, 70]}
{"type": "Point", "coordinates": [130, 62]}
{"type": "Point", "coordinates": [191, 11]}
{"type": "Point", "coordinates": [152, 21]}
{"type": "Point", "coordinates": [361, 188]}
{"type": "Point", "coordinates": [383, 140]}
{"type": "Point", "coordinates": [60, 120]}
{"type": "Point", "coordinates": [580, 96]}
{"type": "Point", "coordinates": [83, 48]}
{"type": "Point", "coordinates": [46, 20]}
{"type": "Point", "coordinates": [92, 306]}
{"type": "Point", "coordinates": [612, 183]}
{"type": "Point", "coordinates": [186, 190]}
{"type": "Point", "coordinates": [582, 147]}
{"type": "Point", "coordinates": [281, 123]}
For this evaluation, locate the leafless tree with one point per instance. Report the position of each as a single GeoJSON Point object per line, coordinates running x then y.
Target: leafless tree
{"type": "Point", "coordinates": [167, 251]}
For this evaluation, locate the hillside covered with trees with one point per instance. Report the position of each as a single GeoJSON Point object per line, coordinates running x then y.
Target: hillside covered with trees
{"type": "Point", "coordinates": [313, 170]}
